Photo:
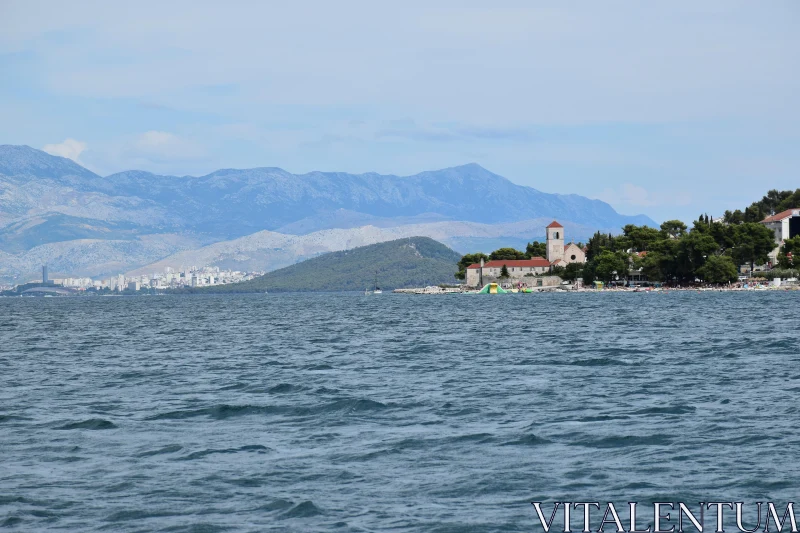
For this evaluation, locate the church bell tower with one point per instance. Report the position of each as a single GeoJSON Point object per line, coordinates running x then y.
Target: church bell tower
{"type": "Point", "coordinates": [555, 241]}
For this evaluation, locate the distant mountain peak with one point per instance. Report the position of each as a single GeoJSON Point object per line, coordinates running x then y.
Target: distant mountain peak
{"type": "Point", "coordinates": [471, 167]}
{"type": "Point", "coordinates": [22, 160]}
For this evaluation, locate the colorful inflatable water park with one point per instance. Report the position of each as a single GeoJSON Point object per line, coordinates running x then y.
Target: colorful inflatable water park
{"type": "Point", "coordinates": [494, 288]}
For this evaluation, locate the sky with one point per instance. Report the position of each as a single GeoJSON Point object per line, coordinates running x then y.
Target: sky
{"type": "Point", "coordinates": [669, 109]}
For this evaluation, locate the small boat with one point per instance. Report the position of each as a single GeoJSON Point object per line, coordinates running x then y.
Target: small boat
{"type": "Point", "coordinates": [377, 289]}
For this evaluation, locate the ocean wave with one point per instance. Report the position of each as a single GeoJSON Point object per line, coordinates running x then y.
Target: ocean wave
{"type": "Point", "coordinates": [160, 451]}
{"type": "Point", "coordinates": [598, 361]}
{"type": "Point", "coordinates": [668, 410]}
{"type": "Point", "coordinates": [527, 440]}
{"type": "Point", "coordinates": [277, 505]}
{"type": "Point", "coordinates": [283, 388]}
{"type": "Point", "coordinates": [12, 418]}
{"type": "Point", "coordinates": [625, 441]}
{"type": "Point", "coordinates": [225, 411]}
{"type": "Point", "coordinates": [220, 412]}
{"type": "Point", "coordinates": [253, 448]}
{"type": "Point", "coordinates": [305, 509]}
{"type": "Point", "coordinates": [92, 423]}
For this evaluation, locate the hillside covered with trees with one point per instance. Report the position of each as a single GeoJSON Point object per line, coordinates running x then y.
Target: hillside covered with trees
{"type": "Point", "coordinates": [410, 262]}
{"type": "Point", "coordinates": [773, 202]}
{"type": "Point", "coordinates": [711, 250]}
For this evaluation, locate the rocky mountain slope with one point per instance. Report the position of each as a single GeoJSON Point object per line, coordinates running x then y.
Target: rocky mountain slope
{"type": "Point", "coordinates": [51, 208]}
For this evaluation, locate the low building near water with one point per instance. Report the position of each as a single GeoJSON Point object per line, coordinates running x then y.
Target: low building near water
{"type": "Point", "coordinates": [524, 270]}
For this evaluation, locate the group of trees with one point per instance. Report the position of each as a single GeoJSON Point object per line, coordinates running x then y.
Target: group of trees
{"type": "Point", "coordinates": [711, 250]}
{"type": "Point", "coordinates": [789, 256]}
{"type": "Point", "coordinates": [773, 202]}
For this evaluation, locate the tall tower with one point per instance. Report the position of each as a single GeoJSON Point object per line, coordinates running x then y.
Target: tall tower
{"type": "Point", "coordinates": [44, 274]}
{"type": "Point", "coordinates": [555, 241]}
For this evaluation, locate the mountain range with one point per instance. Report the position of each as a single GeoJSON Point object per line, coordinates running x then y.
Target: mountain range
{"type": "Point", "coordinates": [54, 211]}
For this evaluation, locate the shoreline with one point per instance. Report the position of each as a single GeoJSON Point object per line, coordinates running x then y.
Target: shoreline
{"type": "Point", "coordinates": [439, 291]}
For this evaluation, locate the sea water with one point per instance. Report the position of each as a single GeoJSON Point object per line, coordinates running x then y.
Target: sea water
{"type": "Point", "coordinates": [345, 412]}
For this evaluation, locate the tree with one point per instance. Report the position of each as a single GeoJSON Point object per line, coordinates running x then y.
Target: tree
{"type": "Point", "coordinates": [700, 226]}
{"type": "Point", "coordinates": [667, 255]}
{"type": "Point", "coordinates": [790, 202]}
{"type": "Point", "coordinates": [506, 254]}
{"type": "Point", "coordinates": [718, 269]}
{"type": "Point", "coordinates": [754, 213]}
{"type": "Point", "coordinates": [597, 243]}
{"type": "Point", "coordinates": [736, 217]}
{"type": "Point", "coordinates": [770, 202]}
{"type": "Point", "coordinates": [693, 249]}
{"type": "Point", "coordinates": [774, 202]}
{"type": "Point", "coordinates": [536, 249]}
{"type": "Point", "coordinates": [723, 235]}
{"type": "Point", "coordinates": [752, 243]}
{"type": "Point", "coordinates": [572, 271]}
{"type": "Point", "coordinates": [790, 246]}
{"type": "Point", "coordinates": [641, 237]}
{"type": "Point", "coordinates": [557, 271]}
{"type": "Point", "coordinates": [651, 266]}
{"type": "Point", "coordinates": [504, 272]}
{"type": "Point", "coordinates": [467, 260]}
{"type": "Point", "coordinates": [608, 264]}
{"type": "Point", "coordinates": [673, 229]}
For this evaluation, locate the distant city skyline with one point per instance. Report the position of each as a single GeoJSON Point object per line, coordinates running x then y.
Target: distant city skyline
{"type": "Point", "coordinates": [667, 110]}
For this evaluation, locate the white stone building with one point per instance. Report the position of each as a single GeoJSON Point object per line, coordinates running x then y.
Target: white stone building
{"type": "Point", "coordinates": [518, 269]}
{"type": "Point", "coordinates": [785, 225]}
{"type": "Point", "coordinates": [523, 270]}
{"type": "Point", "coordinates": [559, 254]}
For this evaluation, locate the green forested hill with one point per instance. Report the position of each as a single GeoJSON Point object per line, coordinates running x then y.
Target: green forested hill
{"type": "Point", "coordinates": [410, 262]}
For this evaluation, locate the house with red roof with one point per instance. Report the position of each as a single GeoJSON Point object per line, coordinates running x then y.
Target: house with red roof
{"type": "Point", "coordinates": [482, 273]}
{"type": "Point", "coordinates": [523, 270]}
{"type": "Point", "coordinates": [786, 225]}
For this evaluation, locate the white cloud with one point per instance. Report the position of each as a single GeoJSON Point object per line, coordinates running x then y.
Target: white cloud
{"type": "Point", "coordinates": [70, 148]}
{"type": "Point", "coordinates": [523, 61]}
{"type": "Point", "coordinates": [166, 145]}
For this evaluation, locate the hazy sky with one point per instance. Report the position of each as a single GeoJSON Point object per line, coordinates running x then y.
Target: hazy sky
{"type": "Point", "coordinates": [668, 109]}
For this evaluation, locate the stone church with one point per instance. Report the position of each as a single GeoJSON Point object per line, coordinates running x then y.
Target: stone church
{"type": "Point", "coordinates": [522, 270]}
{"type": "Point", "coordinates": [557, 253]}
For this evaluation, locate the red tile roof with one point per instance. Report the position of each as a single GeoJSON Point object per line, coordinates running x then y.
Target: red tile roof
{"type": "Point", "coordinates": [555, 224]}
{"type": "Point", "coordinates": [533, 262]}
{"type": "Point", "coordinates": [780, 216]}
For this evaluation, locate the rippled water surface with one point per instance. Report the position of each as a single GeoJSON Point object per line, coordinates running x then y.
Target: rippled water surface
{"type": "Point", "coordinates": [403, 413]}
